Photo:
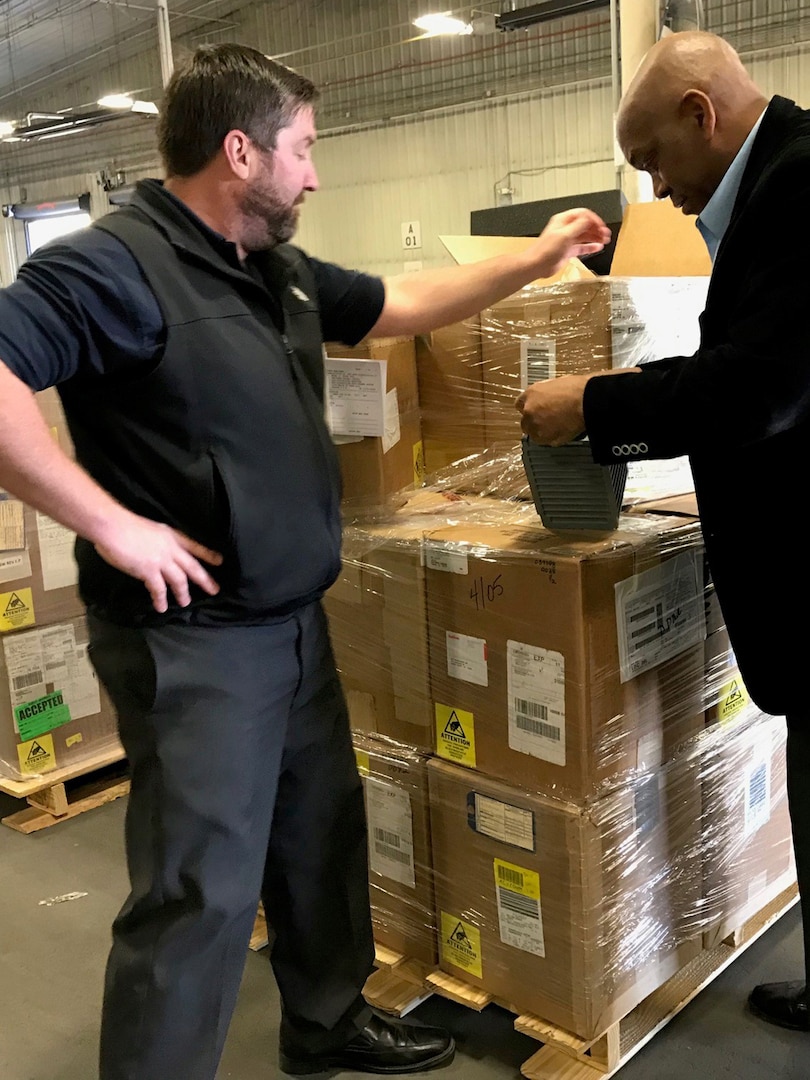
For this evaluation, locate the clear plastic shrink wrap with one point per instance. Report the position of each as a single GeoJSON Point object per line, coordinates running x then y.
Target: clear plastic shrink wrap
{"type": "Point", "coordinates": [604, 799]}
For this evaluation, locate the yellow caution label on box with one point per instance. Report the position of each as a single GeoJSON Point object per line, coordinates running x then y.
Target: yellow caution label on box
{"type": "Point", "coordinates": [16, 610]}
{"type": "Point", "coordinates": [732, 701]}
{"type": "Point", "coordinates": [37, 755]}
{"type": "Point", "coordinates": [418, 463]}
{"type": "Point", "coordinates": [363, 762]}
{"type": "Point", "coordinates": [461, 944]}
{"type": "Point", "coordinates": [455, 735]}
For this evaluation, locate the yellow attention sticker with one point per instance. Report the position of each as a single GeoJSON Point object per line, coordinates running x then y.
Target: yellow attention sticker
{"type": "Point", "coordinates": [733, 699]}
{"type": "Point", "coordinates": [418, 463]}
{"type": "Point", "coordinates": [16, 610]}
{"type": "Point", "coordinates": [461, 944]}
{"type": "Point", "coordinates": [37, 755]}
{"type": "Point", "coordinates": [363, 763]}
{"type": "Point", "coordinates": [517, 880]}
{"type": "Point", "coordinates": [455, 735]}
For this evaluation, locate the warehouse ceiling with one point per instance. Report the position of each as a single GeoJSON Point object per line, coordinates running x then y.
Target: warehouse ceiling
{"type": "Point", "coordinates": [366, 55]}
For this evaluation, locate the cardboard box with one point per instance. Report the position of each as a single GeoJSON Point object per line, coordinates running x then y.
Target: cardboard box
{"type": "Point", "coordinates": [580, 326]}
{"type": "Point", "coordinates": [564, 665]}
{"type": "Point", "coordinates": [400, 855]}
{"type": "Point", "coordinates": [38, 572]}
{"type": "Point", "coordinates": [576, 323]}
{"type": "Point", "coordinates": [54, 711]}
{"type": "Point", "coordinates": [451, 394]}
{"type": "Point", "coordinates": [376, 469]}
{"type": "Point", "coordinates": [747, 840]}
{"type": "Point", "coordinates": [551, 908]}
{"type": "Point", "coordinates": [657, 240]}
{"type": "Point", "coordinates": [378, 616]}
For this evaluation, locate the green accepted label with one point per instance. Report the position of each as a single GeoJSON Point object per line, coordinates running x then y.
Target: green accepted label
{"type": "Point", "coordinates": [34, 718]}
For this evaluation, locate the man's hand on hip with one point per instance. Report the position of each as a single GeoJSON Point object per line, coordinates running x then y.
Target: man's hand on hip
{"type": "Point", "coordinates": [159, 556]}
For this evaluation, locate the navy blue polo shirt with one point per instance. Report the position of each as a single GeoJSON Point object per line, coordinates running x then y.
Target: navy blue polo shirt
{"type": "Point", "coordinates": [81, 306]}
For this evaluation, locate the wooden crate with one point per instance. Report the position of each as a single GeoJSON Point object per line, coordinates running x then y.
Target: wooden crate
{"type": "Point", "coordinates": [52, 797]}
{"type": "Point", "coordinates": [399, 985]}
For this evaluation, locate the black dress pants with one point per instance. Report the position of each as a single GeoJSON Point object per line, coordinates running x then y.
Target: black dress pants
{"type": "Point", "coordinates": [244, 784]}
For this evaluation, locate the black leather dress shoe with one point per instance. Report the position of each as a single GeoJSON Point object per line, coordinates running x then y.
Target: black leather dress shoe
{"type": "Point", "coordinates": [782, 1003]}
{"type": "Point", "coordinates": [384, 1046]}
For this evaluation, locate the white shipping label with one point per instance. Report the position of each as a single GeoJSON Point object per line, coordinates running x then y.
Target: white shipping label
{"type": "Point", "coordinates": [659, 613]}
{"type": "Point", "coordinates": [536, 691]}
{"type": "Point", "coordinates": [519, 916]}
{"type": "Point", "coordinates": [59, 567]}
{"type": "Point", "coordinates": [757, 795]}
{"type": "Point", "coordinates": [25, 668]}
{"type": "Point", "coordinates": [392, 434]}
{"type": "Point", "coordinates": [501, 821]}
{"type": "Point", "coordinates": [467, 659]}
{"type": "Point", "coordinates": [538, 360]}
{"type": "Point", "coordinates": [439, 556]}
{"type": "Point", "coordinates": [15, 566]}
{"type": "Point", "coordinates": [12, 524]}
{"type": "Point", "coordinates": [51, 658]}
{"type": "Point", "coordinates": [658, 479]}
{"type": "Point", "coordinates": [390, 831]}
{"type": "Point", "coordinates": [68, 668]}
{"type": "Point", "coordinates": [355, 396]}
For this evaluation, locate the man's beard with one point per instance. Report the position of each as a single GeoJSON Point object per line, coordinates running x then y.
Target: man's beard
{"type": "Point", "coordinates": [267, 220]}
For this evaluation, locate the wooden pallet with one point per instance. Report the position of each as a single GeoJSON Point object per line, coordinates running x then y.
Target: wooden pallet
{"type": "Point", "coordinates": [399, 985]}
{"type": "Point", "coordinates": [50, 798]}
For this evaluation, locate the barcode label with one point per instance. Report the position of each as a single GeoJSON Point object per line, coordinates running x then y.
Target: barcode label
{"type": "Point", "coordinates": [757, 796]}
{"type": "Point", "coordinates": [536, 701]}
{"type": "Point", "coordinates": [386, 837]}
{"type": "Point", "coordinates": [389, 852]}
{"type": "Point", "coordinates": [507, 876]}
{"type": "Point", "coordinates": [31, 678]}
{"type": "Point", "coordinates": [531, 708]}
{"type": "Point", "coordinates": [390, 827]}
{"type": "Point", "coordinates": [524, 906]}
{"type": "Point", "coordinates": [538, 360]}
{"type": "Point", "coordinates": [758, 788]}
{"type": "Point", "coordinates": [537, 727]}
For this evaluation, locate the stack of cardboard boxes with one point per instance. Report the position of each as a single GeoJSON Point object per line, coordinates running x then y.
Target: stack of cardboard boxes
{"type": "Point", "coordinates": [556, 699]}
{"type": "Point", "coordinates": [53, 711]}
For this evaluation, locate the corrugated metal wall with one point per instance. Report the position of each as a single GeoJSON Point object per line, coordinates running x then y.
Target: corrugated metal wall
{"type": "Point", "coordinates": [410, 131]}
{"type": "Point", "coordinates": [437, 168]}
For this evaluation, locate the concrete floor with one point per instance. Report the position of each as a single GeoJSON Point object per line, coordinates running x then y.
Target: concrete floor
{"type": "Point", "coordinates": [52, 959]}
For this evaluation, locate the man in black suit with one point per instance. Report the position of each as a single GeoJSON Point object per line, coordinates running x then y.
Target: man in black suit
{"type": "Point", "coordinates": [740, 406]}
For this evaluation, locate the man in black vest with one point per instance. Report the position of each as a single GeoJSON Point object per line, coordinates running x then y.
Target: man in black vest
{"type": "Point", "coordinates": [185, 336]}
{"type": "Point", "coordinates": [740, 407]}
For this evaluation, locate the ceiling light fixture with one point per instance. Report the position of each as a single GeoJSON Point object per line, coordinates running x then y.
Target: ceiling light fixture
{"type": "Point", "coordinates": [6, 128]}
{"type": "Point", "coordinates": [514, 18]}
{"type": "Point", "coordinates": [443, 23]}
{"type": "Point", "coordinates": [115, 101]}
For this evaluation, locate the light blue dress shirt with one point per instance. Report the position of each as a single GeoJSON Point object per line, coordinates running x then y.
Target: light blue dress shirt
{"type": "Point", "coordinates": [716, 215]}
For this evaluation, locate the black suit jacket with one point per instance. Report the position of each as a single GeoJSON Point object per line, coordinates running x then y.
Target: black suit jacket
{"type": "Point", "coordinates": [740, 408]}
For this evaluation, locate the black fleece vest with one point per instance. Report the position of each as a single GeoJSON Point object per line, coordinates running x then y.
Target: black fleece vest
{"type": "Point", "coordinates": [224, 439]}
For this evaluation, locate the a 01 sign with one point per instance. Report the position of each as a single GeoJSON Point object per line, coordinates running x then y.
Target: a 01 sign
{"type": "Point", "coordinates": [411, 235]}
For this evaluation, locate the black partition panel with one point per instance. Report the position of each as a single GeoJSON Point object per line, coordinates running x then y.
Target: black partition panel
{"type": "Point", "coordinates": [530, 218]}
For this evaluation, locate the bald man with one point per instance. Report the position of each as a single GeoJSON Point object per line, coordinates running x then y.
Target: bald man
{"type": "Point", "coordinates": [740, 407]}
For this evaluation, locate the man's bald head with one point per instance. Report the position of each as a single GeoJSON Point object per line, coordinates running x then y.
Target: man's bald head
{"type": "Point", "coordinates": [691, 98]}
